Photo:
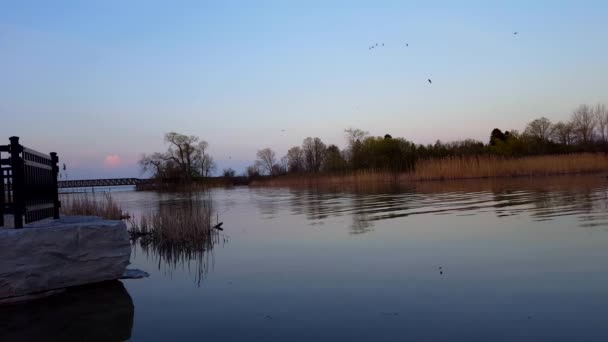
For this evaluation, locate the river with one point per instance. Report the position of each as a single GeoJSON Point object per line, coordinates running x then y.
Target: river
{"type": "Point", "coordinates": [481, 260]}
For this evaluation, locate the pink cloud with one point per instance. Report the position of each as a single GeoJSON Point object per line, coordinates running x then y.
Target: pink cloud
{"type": "Point", "coordinates": [112, 161]}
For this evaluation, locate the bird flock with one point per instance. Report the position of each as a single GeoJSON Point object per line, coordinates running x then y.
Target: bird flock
{"type": "Point", "coordinates": [376, 45]}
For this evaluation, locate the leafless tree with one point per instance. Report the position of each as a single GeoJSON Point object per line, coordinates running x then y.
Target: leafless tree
{"type": "Point", "coordinates": [540, 128]}
{"type": "Point", "coordinates": [266, 160]}
{"type": "Point", "coordinates": [353, 135]}
{"type": "Point", "coordinates": [228, 173]}
{"type": "Point", "coordinates": [314, 152]}
{"type": "Point", "coordinates": [601, 117]}
{"type": "Point", "coordinates": [253, 171]}
{"type": "Point", "coordinates": [583, 121]}
{"type": "Point", "coordinates": [153, 163]}
{"type": "Point", "coordinates": [563, 133]}
{"type": "Point", "coordinates": [184, 158]}
{"type": "Point", "coordinates": [208, 165]}
{"type": "Point", "coordinates": [295, 159]}
{"type": "Point", "coordinates": [284, 164]}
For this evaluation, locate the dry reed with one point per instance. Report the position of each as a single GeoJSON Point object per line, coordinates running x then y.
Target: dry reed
{"type": "Point", "coordinates": [91, 205]}
{"type": "Point", "coordinates": [188, 228]}
{"type": "Point", "coordinates": [453, 168]}
{"type": "Point", "coordinates": [492, 166]}
{"type": "Point", "coordinates": [177, 236]}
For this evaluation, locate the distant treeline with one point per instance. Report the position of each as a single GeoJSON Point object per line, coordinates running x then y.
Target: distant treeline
{"type": "Point", "coordinates": [587, 131]}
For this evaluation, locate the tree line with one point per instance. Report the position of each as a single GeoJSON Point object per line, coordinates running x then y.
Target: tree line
{"type": "Point", "coordinates": [187, 156]}
{"type": "Point", "coordinates": [586, 131]}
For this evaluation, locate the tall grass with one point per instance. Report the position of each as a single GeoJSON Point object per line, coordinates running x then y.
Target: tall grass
{"type": "Point", "coordinates": [492, 166]}
{"type": "Point", "coordinates": [188, 228]}
{"type": "Point", "coordinates": [453, 168]}
{"type": "Point", "coordinates": [92, 205]}
{"type": "Point", "coordinates": [177, 236]}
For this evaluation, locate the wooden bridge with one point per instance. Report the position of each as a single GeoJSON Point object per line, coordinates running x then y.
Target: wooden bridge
{"type": "Point", "coordinates": [89, 183]}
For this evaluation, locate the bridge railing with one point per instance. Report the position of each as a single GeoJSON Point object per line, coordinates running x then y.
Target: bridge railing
{"type": "Point", "coordinates": [90, 183]}
{"type": "Point", "coordinates": [28, 184]}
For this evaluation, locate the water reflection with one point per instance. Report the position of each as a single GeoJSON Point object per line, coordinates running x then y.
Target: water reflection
{"type": "Point", "coordinates": [185, 240]}
{"type": "Point", "coordinates": [543, 199]}
{"type": "Point", "coordinates": [476, 260]}
{"type": "Point", "coordinates": [102, 312]}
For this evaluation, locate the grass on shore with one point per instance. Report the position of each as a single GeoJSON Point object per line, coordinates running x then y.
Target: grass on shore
{"type": "Point", "coordinates": [90, 205]}
{"type": "Point", "coordinates": [492, 166]}
{"type": "Point", "coordinates": [177, 235]}
{"type": "Point", "coordinates": [454, 168]}
{"type": "Point", "coordinates": [184, 227]}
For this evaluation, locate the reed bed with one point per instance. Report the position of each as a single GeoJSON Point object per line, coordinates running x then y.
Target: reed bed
{"type": "Point", "coordinates": [492, 166]}
{"type": "Point", "coordinates": [454, 168]}
{"type": "Point", "coordinates": [177, 237]}
{"type": "Point", "coordinates": [92, 205]}
{"type": "Point", "coordinates": [190, 229]}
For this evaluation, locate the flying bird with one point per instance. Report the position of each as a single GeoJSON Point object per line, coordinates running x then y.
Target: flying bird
{"type": "Point", "coordinates": [515, 33]}
{"type": "Point", "coordinates": [406, 44]}
{"type": "Point", "coordinates": [431, 82]}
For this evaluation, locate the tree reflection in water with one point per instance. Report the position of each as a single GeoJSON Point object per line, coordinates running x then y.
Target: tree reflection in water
{"type": "Point", "coordinates": [542, 198]}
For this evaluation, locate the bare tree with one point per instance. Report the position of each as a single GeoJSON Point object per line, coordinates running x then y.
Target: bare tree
{"type": "Point", "coordinates": [208, 165]}
{"type": "Point", "coordinates": [295, 159]}
{"type": "Point", "coordinates": [584, 123]}
{"type": "Point", "coordinates": [204, 160]}
{"type": "Point", "coordinates": [353, 135]}
{"type": "Point", "coordinates": [228, 173]}
{"type": "Point", "coordinates": [266, 160]}
{"type": "Point", "coordinates": [540, 128]}
{"type": "Point", "coordinates": [185, 157]}
{"type": "Point", "coordinates": [154, 163]}
{"type": "Point", "coordinates": [284, 164]}
{"type": "Point", "coordinates": [601, 117]}
{"type": "Point", "coordinates": [314, 152]}
{"type": "Point", "coordinates": [253, 171]}
{"type": "Point", "coordinates": [563, 133]}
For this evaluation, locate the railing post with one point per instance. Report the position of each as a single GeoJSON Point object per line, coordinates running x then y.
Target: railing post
{"type": "Point", "coordinates": [56, 203]}
{"type": "Point", "coordinates": [17, 170]}
{"type": "Point", "coordinates": [2, 194]}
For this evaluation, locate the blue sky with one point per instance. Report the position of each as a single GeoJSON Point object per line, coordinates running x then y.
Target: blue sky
{"type": "Point", "coordinates": [104, 80]}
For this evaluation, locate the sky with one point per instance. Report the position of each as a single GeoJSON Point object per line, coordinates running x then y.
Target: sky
{"type": "Point", "coordinates": [100, 82]}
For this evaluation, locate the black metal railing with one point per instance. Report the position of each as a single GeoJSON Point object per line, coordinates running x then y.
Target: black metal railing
{"type": "Point", "coordinates": [28, 184]}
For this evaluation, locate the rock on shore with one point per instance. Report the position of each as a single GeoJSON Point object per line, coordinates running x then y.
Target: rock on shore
{"type": "Point", "coordinates": [61, 253]}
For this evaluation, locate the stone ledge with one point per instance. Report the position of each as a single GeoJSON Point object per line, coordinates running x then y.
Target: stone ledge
{"type": "Point", "coordinates": [61, 253]}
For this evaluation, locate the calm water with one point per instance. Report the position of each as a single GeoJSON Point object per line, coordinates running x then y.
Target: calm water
{"type": "Point", "coordinates": [521, 260]}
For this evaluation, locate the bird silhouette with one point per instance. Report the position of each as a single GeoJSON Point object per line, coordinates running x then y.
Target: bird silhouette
{"type": "Point", "coordinates": [515, 33]}
{"type": "Point", "coordinates": [406, 44]}
{"type": "Point", "coordinates": [431, 82]}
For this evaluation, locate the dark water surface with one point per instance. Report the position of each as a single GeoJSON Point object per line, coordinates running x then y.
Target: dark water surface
{"type": "Point", "coordinates": [523, 259]}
